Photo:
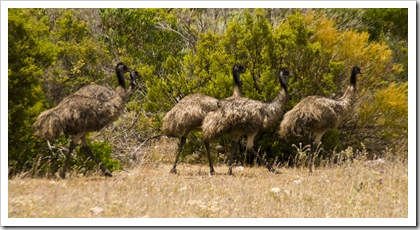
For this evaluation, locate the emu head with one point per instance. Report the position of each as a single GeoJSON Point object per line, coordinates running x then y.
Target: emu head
{"type": "Point", "coordinates": [356, 70]}
{"type": "Point", "coordinates": [236, 71]}
{"type": "Point", "coordinates": [284, 73]}
{"type": "Point", "coordinates": [239, 68]}
{"type": "Point", "coordinates": [121, 68]}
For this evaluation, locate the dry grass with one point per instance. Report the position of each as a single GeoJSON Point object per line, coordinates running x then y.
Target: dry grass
{"type": "Point", "coordinates": [354, 190]}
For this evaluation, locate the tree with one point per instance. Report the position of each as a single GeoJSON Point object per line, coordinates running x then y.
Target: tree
{"type": "Point", "coordinates": [82, 58]}
{"type": "Point", "coordinates": [29, 55]}
{"type": "Point", "coordinates": [135, 33]}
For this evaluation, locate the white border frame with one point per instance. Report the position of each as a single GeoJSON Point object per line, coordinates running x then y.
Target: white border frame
{"type": "Point", "coordinates": [410, 221]}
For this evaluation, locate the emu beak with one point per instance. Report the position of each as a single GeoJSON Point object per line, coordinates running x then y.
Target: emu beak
{"type": "Point", "coordinates": [288, 76]}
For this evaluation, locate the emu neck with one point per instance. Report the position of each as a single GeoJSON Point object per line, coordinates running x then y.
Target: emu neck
{"type": "Point", "coordinates": [237, 91]}
{"type": "Point", "coordinates": [275, 108]}
{"type": "Point", "coordinates": [121, 91]}
{"type": "Point", "coordinates": [280, 100]}
{"type": "Point", "coordinates": [353, 79]}
{"type": "Point", "coordinates": [237, 88]}
{"type": "Point", "coordinates": [120, 77]}
{"type": "Point", "coordinates": [349, 95]}
{"type": "Point", "coordinates": [344, 105]}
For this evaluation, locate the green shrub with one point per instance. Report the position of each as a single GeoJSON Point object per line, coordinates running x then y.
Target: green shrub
{"type": "Point", "coordinates": [102, 151]}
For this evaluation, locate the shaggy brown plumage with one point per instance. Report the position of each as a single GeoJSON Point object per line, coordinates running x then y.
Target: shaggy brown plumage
{"type": "Point", "coordinates": [105, 93]}
{"type": "Point", "coordinates": [243, 116]}
{"type": "Point", "coordinates": [188, 114]}
{"type": "Point", "coordinates": [81, 113]}
{"type": "Point", "coordinates": [96, 91]}
{"type": "Point", "coordinates": [315, 115]}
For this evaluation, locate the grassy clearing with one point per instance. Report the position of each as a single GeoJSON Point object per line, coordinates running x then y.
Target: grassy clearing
{"type": "Point", "coordinates": [354, 190]}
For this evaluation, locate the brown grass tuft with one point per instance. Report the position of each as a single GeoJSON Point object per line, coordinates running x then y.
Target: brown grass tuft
{"type": "Point", "coordinates": [355, 190]}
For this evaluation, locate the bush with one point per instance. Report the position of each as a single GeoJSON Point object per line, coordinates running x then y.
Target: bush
{"type": "Point", "coordinates": [29, 55]}
{"type": "Point", "coordinates": [102, 151]}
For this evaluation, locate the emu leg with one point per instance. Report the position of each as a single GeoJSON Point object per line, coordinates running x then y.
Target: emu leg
{"type": "Point", "coordinates": [250, 148]}
{"type": "Point", "coordinates": [66, 162]}
{"type": "Point", "coordinates": [72, 146]}
{"type": "Point", "coordinates": [271, 169]}
{"type": "Point", "coordinates": [89, 150]}
{"type": "Point", "coordinates": [207, 144]}
{"type": "Point", "coordinates": [310, 163]}
{"type": "Point", "coordinates": [181, 145]}
{"type": "Point", "coordinates": [315, 146]}
{"type": "Point", "coordinates": [234, 145]}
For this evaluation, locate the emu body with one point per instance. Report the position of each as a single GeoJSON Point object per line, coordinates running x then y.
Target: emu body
{"type": "Point", "coordinates": [188, 115]}
{"type": "Point", "coordinates": [83, 112]}
{"type": "Point", "coordinates": [315, 114]}
{"type": "Point", "coordinates": [242, 116]}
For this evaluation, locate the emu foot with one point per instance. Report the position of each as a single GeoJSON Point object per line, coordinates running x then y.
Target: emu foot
{"type": "Point", "coordinates": [274, 171]}
{"type": "Point", "coordinates": [212, 172]}
{"type": "Point", "coordinates": [230, 171]}
{"type": "Point", "coordinates": [63, 175]}
{"type": "Point", "coordinates": [173, 170]}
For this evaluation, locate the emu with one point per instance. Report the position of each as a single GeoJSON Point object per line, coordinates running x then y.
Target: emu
{"type": "Point", "coordinates": [243, 116]}
{"type": "Point", "coordinates": [188, 115]}
{"type": "Point", "coordinates": [88, 110]}
{"type": "Point", "coordinates": [315, 114]}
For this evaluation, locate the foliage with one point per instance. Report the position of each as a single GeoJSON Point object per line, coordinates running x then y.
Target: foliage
{"type": "Point", "coordinates": [81, 57]}
{"type": "Point", "coordinates": [391, 26]}
{"type": "Point", "coordinates": [102, 152]}
{"type": "Point", "coordinates": [132, 33]}
{"type": "Point", "coordinates": [385, 118]}
{"type": "Point", "coordinates": [387, 22]}
{"type": "Point", "coordinates": [182, 51]}
{"type": "Point", "coordinates": [29, 55]}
